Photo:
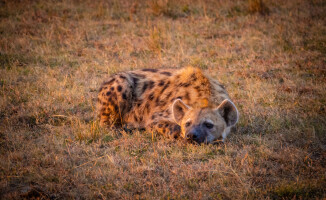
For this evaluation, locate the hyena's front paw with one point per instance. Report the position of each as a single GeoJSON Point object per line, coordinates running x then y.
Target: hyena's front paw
{"type": "Point", "coordinates": [169, 129]}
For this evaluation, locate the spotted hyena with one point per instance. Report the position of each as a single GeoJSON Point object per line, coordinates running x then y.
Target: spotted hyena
{"type": "Point", "coordinates": [175, 102]}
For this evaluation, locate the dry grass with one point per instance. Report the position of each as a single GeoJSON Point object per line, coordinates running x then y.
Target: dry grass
{"type": "Point", "coordinates": [258, 6]}
{"type": "Point", "coordinates": [54, 55]}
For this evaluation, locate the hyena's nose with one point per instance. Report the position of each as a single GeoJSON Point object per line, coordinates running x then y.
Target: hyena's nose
{"type": "Point", "coordinates": [192, 135]}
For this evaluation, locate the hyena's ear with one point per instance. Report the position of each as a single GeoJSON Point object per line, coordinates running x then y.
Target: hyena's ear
{"type": "Point", "coordinates": [179, 108]}
{"type": "Point", "coordinates": [229, 112]}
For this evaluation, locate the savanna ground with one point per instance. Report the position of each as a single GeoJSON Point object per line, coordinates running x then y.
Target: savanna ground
{"type": "Point", "coordinates": [54, 55]}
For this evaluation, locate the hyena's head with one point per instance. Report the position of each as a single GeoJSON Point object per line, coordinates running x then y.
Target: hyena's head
{"type": "Point", "coordinates": [205, 125]}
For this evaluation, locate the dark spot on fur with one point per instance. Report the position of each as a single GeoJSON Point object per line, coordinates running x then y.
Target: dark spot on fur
{"type": "Point", "coordinates": [122, 77]}
{"type": "Point", "coordinates": [193, 77]}
{"type": "Point", "coordinates": [166, 125]}
{"type": "Point", "coordinates": [135, 83]}
{"type": "Point", "coordinates": [166, 73]}
{"type": "Point", "coordinates": [151, 84]}
{"type": "Point", "coordinates": [149, 70]}
{"type": "Point", "coordinates": [135, 80]}
{"type": "Point", "coordinates": [151, 97]}
{"type": "Point", "coordinates": [187, 97]}
{"type": "Point", "coordinates": [157, 101]}
{"type": "Point", "coordinates": [124, 96]}
{"type": "Point", "coordinates": [160, 125]}
{"type": "Point", "coordinates": [102, 88]}
{"type": "Point", "coordinates": [162, 103]}
{"type": "Point", "coordinates": [119, 88]}
{"type": "Point", "coordinates": [179, 97]}
{"type": "Point", "coordinates": [161, 114]}
{"type": "Point", "coordinates": [184, 84]}
{"type": "Point", "coordinates": [109, 82]}
{"type": "Point", "coordinates": [112, 104]}
{"type": "Point", "coordinates": [168, 95]}
{"type": "Point", "coordinates": [153, 116]}
{"type": "Point", "coordinates": [176, 129]}
{"type": "Point", "coordinates": [108, 93]}
{"type": "Point", "coordinates": [147, 107]}
{"type": "Point", "coordinates": [165, 86]}
{"type": "Point", "coordinates": [197, 88]}
{"type": "Point", "coordinates": [135, 118]}
{"type": "Point", "coordinates": [112, 88]}
{"type": "Point", "coordinates": [161, 83]}
{"type": "Point", "coordinates": [144, 87]}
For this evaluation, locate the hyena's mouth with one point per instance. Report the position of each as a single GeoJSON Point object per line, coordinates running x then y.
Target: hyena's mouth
{"type": "Point", "coordinates": [197, 137]}
{"type": "Point", "coordinates": [204, 140]}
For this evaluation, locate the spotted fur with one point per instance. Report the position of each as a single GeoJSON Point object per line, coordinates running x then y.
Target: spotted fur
{"type": "Point", "coordinates": [166, 101]}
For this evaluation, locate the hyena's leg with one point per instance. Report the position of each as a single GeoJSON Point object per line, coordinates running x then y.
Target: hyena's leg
{"type": "Point", "coordinates": [164, 127]}
{"type": "Point", "coordinates": [114, 100]}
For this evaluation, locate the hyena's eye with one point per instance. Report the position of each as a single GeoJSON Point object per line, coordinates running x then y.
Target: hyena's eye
{"type": "Point", "coordinates": [208, 125]}
{"type": "Point", "coordinates": [188, 124]}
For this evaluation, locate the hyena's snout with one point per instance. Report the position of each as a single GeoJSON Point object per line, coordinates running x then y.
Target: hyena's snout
{"type": "Point", "coordinates": [196, 134]}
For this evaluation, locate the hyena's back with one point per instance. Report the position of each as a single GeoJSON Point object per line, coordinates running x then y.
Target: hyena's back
{"type": "Point", "coordinates": [128, 97]}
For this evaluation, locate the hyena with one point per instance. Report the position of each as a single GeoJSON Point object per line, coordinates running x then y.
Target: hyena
{"type": "Point", "coordinates": [175, 102]}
